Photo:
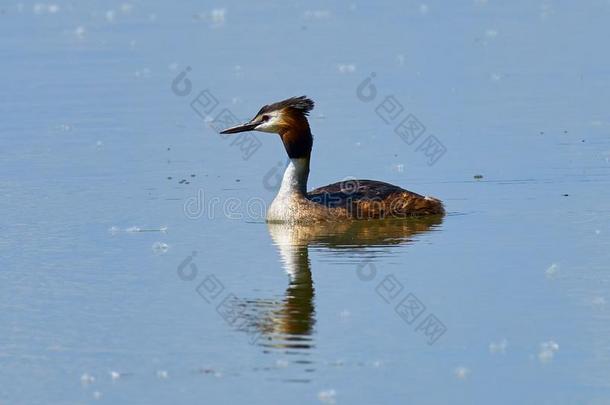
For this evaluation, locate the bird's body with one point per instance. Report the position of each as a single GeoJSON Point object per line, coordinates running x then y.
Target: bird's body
{"type": "Point", "coordinates": [346, 200]}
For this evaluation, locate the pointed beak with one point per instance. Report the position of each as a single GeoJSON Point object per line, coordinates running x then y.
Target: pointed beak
{"type": "Point", "coordinates": [249, 126]}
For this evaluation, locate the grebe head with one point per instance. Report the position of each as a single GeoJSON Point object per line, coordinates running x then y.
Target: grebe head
{"type": "Point", "coordinates": [288, 118]}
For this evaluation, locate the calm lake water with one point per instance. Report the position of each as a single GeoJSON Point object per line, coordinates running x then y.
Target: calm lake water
{"type": "Point", "coordinates": [135, 266]}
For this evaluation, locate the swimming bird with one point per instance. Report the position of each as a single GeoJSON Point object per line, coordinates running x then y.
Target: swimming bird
{"type": "Point", "coordinates": [344, 200]}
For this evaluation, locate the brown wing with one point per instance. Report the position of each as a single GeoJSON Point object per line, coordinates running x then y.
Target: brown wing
{"type": "Point", "coordinates": [368, 199]}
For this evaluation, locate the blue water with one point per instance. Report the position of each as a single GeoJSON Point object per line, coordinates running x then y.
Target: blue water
{"type": "Point", "coordinates": [135, 264]}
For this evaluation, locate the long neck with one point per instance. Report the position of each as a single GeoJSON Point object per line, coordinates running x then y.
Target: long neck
{"type": "Point", "coordinates": [298, 141]}
{"type": "Point", "coordinates": [295, 177]}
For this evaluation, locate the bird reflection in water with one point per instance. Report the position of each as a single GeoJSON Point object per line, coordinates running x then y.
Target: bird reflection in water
{"type": "Point", "coordinates": [286, 326]}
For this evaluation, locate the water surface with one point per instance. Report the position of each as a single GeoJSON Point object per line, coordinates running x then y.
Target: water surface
{"type": "Point", "coordinates": [135, 266]}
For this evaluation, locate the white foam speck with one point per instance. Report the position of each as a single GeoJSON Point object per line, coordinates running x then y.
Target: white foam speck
{"type": "Point", "coordinates": [115, 375]}
{"type": "Point", "coordinates": [39, 8]}
{"type": "Point", "coordinates": [547, 351]}
{"type": "Point", "coordinates": [110, 15]}
{"type": "Point", "coordinates": [491, 33]}
{"type": "Point", "coordinates": [598, 301]}
{"type": "Point", "coordinates": [218, 16]}
{"type": "Point", "coordinates": [498, 347]}
{"type": "Point", "coordinates": [317, 14]}
{"type": "Point", "coordinates": [552, 270]}
{"type": "Point", "coordinates": [328, 396]}
{"type": "Point", "coordinates": [495, 77]}
{"type": "Point", "coordinates": [126, 8]}
{"type": "Point", "coordinates": [97, 395]}
{"type": "Point", "coordinates": [162, 374]}
{"type": "Point", "coordinates": [145, 73]}
{"type": "Point", "coordinates": [87, 378]}
{"type": "Point", "coordinates": [160, 247]}
{"type": "Point", "coordinates": [113, 230]}
{"type": "Point", "coordinates": [461, 372]}
{"type": "Point", "coordinates": [132, 229]}
{"type": "Point", "coordinates": [346, 68]}
{"type": "Point", "coordinates": [80, 32]}
{"type": "Point", "coordinates": [345, 314]}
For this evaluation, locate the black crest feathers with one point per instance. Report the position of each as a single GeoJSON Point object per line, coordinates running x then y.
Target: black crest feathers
{"type": "Point", "coordinates": [301, 104]}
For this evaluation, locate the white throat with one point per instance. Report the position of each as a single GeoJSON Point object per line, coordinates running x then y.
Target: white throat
{"type": "Point", "coordinates": [295, 178]}
{"type": "Point", "coordinates": [292, 190]}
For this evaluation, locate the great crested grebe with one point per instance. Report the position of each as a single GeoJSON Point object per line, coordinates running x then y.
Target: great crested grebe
{"type": "Point", "coordinates": [345, 200]}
